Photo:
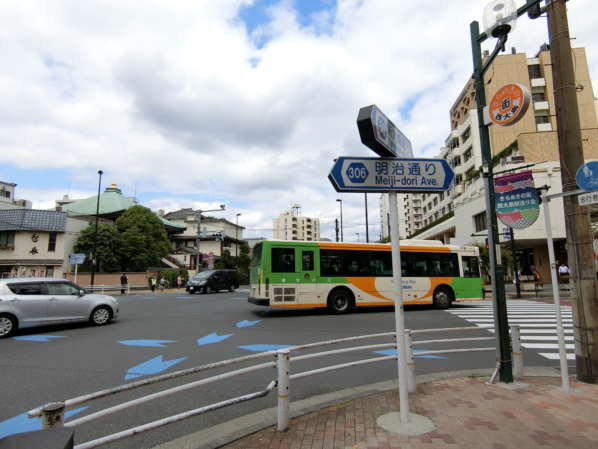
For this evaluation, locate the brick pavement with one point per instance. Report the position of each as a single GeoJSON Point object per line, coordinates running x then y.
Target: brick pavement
{"type": "Point", "coordinates": [467, 414]}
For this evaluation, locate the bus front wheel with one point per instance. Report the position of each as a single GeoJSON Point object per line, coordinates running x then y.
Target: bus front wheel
{"type": "Point", "coordinates": [443, 296]}
{"type": "Point", "coordinates": [339, 301]}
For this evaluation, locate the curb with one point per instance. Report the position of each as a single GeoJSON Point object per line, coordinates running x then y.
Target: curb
{"type": "Point", "coordinates": [222, 434]}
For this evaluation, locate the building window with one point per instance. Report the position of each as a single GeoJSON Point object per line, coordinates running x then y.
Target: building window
{"type": "Point", "coordinates": [542, 119]}
{"type": "Point", "coordinates": [52, 242]}
{"type": "Point", "coordinates": [456, 161]}
{"type": "Point", "coordinates": [7, 239]}
{"type": "Point", "coordinates": [458, 179]}
{"type": "Point", "coordinates": [534, 71]}
{"type": "Point", "coordinates": [468, 154]}
{"type": "Point", "coordinates": [479, 221]}
{"type": "Point", "coordinates": [466, 134]}
{"type": "Point", "coordinates": [539, 96]}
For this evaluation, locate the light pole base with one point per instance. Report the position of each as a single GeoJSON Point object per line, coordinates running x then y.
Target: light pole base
{"type": "Point", "coordinates": [417, 424]}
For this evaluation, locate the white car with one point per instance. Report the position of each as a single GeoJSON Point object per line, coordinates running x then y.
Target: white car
{"type": "Point", "coordinates": [30, 302]}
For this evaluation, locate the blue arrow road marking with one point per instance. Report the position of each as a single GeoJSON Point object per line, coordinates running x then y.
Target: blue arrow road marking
{"type": "Point", "coordinates": [22, 423]}
{"type": "Point", "coordinates": [212, 338]}
{"type": "Point", "coordinates": [415, 351]}
{"type": "Point", "coordinates": [264, 348]}
{"type": "Point", "coordinates": [146, 343]}
{"type": "Point", "coordinates": [152, 366]}
{"type": "Point", "coordinates": [246, 323]}
{"type": "Point", "coordinates": [44, 338]}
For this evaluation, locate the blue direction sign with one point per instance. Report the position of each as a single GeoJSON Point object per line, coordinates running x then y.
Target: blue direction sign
{"type": "Point", "coordinates": [587, 176]}
{"type": "Point", "coordinates": [388, 174]}
{"type": "Point", "coordinates": [76, 259]}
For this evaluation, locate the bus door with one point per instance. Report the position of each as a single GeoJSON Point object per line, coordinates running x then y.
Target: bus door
{"type": "Point", "coordinates": [308, 281]}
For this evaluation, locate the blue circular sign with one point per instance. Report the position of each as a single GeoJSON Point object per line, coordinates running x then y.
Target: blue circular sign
{"type": "Point", "coordinates": [587, 176]}
{"type": "Point", "coordinates": [357, 172]}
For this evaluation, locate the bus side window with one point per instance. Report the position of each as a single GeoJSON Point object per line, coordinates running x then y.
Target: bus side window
{"type": "Point", "coordinates": [283, 260]}
{"type": "Point", "coordinates": [471, 268]}
{"type": "Point", "coordinates": [307, 258]}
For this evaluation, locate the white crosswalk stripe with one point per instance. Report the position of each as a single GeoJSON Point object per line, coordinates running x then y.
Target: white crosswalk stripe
{"type": "Point", "coordinates": [537, 323]}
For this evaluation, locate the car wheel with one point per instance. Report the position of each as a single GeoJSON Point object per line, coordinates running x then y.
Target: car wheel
{"type": "Point", "coordinates": [8, 325]}
{"type": "Point", "coordinates": [443, 298]}
{"type": "Point", "coordinates": [339, 301]}
{"type": "Point", "coordinates": [207, 289]}
{"type": "Point", "coordinates": [231, 288]}
{"type": "Point", "coordinates": [100, 315]}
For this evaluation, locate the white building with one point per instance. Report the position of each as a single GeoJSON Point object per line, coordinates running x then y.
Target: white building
{"type": "Point", "coordinates": [407, 224]}
{"type": "Point", "coordinates": [290, 225]}
{"type": "Point", "coordinates": [7, 197]}
{"type": "Point", "coordinates": [459, 215]}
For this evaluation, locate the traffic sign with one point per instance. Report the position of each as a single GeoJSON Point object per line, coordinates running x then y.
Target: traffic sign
{"type": "Point", "coordinates": [585, 199]}
{"type": "Point", "coordinates": [76, 259]}
{"type": "Point", "coordinates": [587, 176]}
{"type": "Point", "coordinates": [388, 174]}
{"type": "Point", "coordinates": [381, 135]}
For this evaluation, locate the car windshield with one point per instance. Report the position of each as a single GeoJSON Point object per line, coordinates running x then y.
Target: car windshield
{"type": "Point", "coordinates": [203, 275]}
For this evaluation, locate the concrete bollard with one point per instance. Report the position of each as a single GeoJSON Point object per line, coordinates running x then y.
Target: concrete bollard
{"type": "Point", "coordinates": [411, 382]}
{"type": "Point", "coordinates": [53, 415]}
{"type": "Point", "coordinates": [283, 363]}
{"type": "Point", "coordinates": [516, 352]}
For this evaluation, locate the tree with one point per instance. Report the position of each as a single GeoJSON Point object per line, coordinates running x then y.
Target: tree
{"type": "Point", "coordinates": [143, 239]}
{"type": "Point", "coordinates": [108, 247]}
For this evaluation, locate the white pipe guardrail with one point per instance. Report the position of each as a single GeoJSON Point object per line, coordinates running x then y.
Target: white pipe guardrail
{"type": "Point", "coordinates": [53, 414]}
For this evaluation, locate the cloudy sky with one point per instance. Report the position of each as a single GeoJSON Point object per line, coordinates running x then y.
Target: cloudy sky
{"type": "Point", "coordinates": [194, 103]}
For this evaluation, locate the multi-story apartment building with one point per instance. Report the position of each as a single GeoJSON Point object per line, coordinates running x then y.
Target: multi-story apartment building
{"type": "Point", "coordinates": [7, 197]}
{"type": "Point", "coordinates": [458, 215]}
{"type": "Point", "coordinates": [407, 223]}
{"type": "Point", "coordinates": [290, 225]}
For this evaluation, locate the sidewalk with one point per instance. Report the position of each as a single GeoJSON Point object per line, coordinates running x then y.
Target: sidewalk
{"type": "Point", "coordinates": [467, 413]}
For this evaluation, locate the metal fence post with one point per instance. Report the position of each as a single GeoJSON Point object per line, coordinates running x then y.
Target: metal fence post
{"type": "Point", "coordinates": [283, 365]}
{"type": "Point", "coordinates": [53, 415]}
{"type": "Point", "coordinates": [516, 352]}
{"type": "Point", "coordinates": [411, 383]}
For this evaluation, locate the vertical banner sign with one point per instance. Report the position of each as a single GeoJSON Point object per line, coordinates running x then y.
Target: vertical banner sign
{"type": "Point", "coordinates": [517, 203]}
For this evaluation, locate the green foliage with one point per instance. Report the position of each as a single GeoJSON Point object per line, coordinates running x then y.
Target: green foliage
{"type": "Point", "coordinates": [108, 245]}
{"type": "Point", "coordinates": [243, 263]}
{"type": "Point", "coordinates": [143, 239]}
{"type": "Point", "coordinates": [171, 274]}
{"type": "Point", "coordinates": [137, 241]}
{"type": "Point", "coordinates": [225, 261]}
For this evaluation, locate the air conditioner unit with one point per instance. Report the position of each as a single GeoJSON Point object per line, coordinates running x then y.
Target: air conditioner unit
{"type": "Point", "coordinates": [515, 159]}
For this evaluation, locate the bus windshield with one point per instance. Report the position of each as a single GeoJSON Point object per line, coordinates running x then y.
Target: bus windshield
{"type": "Point", "coordinates": [256, 258]}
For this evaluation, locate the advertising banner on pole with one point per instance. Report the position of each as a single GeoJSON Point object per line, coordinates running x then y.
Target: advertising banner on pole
{"type": "Point", "coordinates": [517, 202]}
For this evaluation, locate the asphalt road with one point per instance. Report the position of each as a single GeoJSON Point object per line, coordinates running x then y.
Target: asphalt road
{"type": "Point", "coordinates": [195, 330]}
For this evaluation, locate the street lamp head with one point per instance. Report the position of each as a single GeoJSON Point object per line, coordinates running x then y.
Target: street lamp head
{"type": "Point", "coordinates": [222, 206]}
{"type": "Point", "coordinates": [100, 172]}
{"type": "Point", "coordinates": [500, 17]}
{"type": "Point", "coordinates": [339, 200]}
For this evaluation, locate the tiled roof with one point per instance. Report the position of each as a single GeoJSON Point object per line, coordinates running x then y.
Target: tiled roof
{"type": "Point", "coordinates": [111, 201]}
{"type": "Point", "coordinates": [180, 214]}
{"type": "Point", "coordinates": [32, 220]}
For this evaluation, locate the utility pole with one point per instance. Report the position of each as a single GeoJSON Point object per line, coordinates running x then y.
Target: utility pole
{"type": "Point", "coordinates": [577, 224]}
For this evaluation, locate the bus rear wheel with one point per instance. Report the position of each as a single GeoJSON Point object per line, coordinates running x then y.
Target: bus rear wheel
{"type": "Point", "coordinates": [443, 297]}
{"type": "Point", "coordinates": [339, 301]}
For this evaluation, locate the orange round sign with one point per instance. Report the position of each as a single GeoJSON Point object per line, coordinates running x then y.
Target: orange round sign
{"type": "Point", "coordinates": [509, 104]}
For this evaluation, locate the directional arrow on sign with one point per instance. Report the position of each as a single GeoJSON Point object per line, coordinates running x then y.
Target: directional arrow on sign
{"type": "Point", "coordinates": [388, 174]}
{"type": "Point", "coordinates": [152, 366]}
{"type": "Point", "coordinates": [146, 343]}
{"type": "Point", "coordinates": [212, 338]}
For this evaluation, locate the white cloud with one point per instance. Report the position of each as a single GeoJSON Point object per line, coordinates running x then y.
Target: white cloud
{"type": "Point", "coordinates": [176, 100]}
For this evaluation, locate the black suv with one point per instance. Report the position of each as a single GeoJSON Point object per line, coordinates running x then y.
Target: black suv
{"type": "Point", "coordinates": [212, 281]}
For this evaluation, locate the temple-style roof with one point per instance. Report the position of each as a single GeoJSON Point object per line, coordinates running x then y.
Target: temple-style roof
{"type": "Point", "coordinates": [112, 204]}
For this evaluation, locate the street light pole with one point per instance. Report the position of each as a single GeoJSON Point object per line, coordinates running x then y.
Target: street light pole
{"type": "Point", "coordinates": [95, 258]}
{"type": "Point", "coordinates": [341, 203]}
{"type": "Point", "coordinates": [237, 242]}
{"type": "Point", "coordinates": [504, 363]}
{"type": "Point", "coordinates": [198, 242]}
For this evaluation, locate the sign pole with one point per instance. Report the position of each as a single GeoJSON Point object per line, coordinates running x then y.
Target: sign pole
{"type": "Point", "coordinates": [557, 297]}
{"type": "Point", "coordinates": [76, 265]}
{"type": "Point", "coordinates": [399, 317]}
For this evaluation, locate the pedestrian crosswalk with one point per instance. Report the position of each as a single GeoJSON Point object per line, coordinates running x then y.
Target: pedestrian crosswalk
{"type": "Point", "coordinates": [536, 320]}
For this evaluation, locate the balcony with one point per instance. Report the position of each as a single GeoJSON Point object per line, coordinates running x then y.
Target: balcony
{"type": "Point", "coordinates": [540, 127]}
{"type": "Point", "coordinates": [540, 105]}
{"type": "Point", "coordinates": [538, 82]}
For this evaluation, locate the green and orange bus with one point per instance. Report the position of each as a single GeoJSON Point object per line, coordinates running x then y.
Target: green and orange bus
{"type": "Point", "coordinates": [341, 276]}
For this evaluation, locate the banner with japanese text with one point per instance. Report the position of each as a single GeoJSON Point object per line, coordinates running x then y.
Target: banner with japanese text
{"type": "Point", "coordinates": [517, 202]}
